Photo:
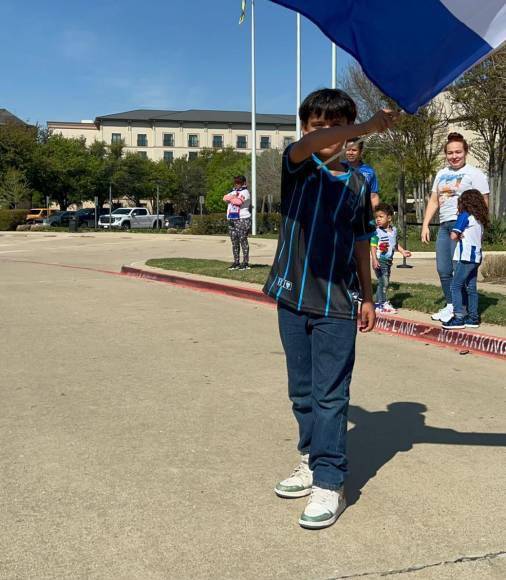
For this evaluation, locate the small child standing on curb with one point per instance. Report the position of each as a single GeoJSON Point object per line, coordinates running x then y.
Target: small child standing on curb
{"type": "Point", "coordinates": [468, 232]}
{"type": "Point", "coordinates": [239, 222]}
{"type": "Point", "coordinates": [383, 246]}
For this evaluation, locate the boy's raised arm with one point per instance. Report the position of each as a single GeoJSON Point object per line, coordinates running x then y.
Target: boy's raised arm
{"type": "Point", "coordinates": [314, 141]}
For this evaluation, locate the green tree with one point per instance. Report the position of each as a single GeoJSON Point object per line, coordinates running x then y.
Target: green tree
{"type": "Point", "coordinates": [14, 188]}
{"type": "Point", "coordinates": [221, 169]}
{"type": "Point", "coordinates": [189, 182]}
{"type": "Point", "coordinates": [269, 164]}
{"type": "Point", "coordinates": [133, 178]}
{"type": "Point", "coordinates": [163, 181]}
{"type": "Point", "coordinates": [17, 147]}
{"type": "Point", "coordinates": [61, 170]}
{"type": "Point", "coordinates": [104, 162]}
{"type": "Point", "coordinates": [414, 146]}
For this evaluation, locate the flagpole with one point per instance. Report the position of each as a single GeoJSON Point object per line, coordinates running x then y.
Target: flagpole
{"type": "Point", "coordinates": [253, 126]}
{"type": "Point", "coordinates": [298, 82]}
{"type": "Point", "coordinates": [334, 66]}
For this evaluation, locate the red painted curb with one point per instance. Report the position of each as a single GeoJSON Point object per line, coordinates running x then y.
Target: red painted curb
{"type": "Point", "coordinates": [215, 287]}
{"type": "Point", "coordinates": [461, 340]}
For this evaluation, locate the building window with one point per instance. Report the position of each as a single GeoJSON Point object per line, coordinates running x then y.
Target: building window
{"type": "Point", "coordinates": [168, 139]}
{"type": "Point", "coordinates": [193, 140]}
{"type": "Point", "coordinates": [143, 154]}
{"type": "Point", "coordinates": [242, 142]}
{"type": "Point", "coordinates": [142, 140]}
{"type": "Point", "coordinates": [265, 142]}
{"type": "Point", "coordinates": [218, 141]}
{"type": "Point", "coordinates": [192, 155]}
{"type": "Point", "coordinates": [116, 139]}
{"type": "Point", "coordinates": [168, 156]}
{"type": "Point", "coordinates": [287, 141]}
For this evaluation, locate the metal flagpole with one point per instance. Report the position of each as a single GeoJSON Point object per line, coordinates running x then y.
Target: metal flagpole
{"type": "Point", "coordinates": [253, 127]}
{"type": "Point", "coordinates": [299, 77]}
{"type": "Point", "coordinates": [334, 66]}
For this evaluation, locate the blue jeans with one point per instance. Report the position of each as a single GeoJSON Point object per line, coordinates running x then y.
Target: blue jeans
{"type": "Point", "coordinates": [445, 247]}
{"type": "Point", "coordinates": [464, 289]}
{"type": "Point", "coordinates": [320, 354]}
{"type": "Point", "coordinates": [383, 276]}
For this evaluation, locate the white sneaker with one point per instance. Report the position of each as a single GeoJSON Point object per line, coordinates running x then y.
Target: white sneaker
{"type": "Point", "coordinates": [323, 508]}
{"type": "Point", "coordinates": [445, 314]}
{"type": "Point", "coordinates": [299, 483]}
{"type": "Point", "coordinates": [388, 308]}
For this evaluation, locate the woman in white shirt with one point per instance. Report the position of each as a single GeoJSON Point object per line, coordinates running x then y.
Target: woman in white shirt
{"type": "Point", "coordinates": [449, 183]}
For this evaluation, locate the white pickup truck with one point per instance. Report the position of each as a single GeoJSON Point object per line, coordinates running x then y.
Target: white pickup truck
{"type": "Point", "coordinates": [126, 218]}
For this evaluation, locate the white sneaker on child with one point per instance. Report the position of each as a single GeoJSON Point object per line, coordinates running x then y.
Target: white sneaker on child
{"type": "Point", "coordinates": [299, 483]}
{"type": "Point", "coordinates": [387, 308]}
{"type": "Point", "coordinates": [323, 508]}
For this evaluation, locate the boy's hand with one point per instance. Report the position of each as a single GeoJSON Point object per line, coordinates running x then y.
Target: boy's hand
{"type": "Point", "coordinates": [406, 254]}
{"type": "Point", "coordinates": [384, 119]}
{"type": "Point", "coordinates": [375, 264]}
{"type": "Point", "coordinates": [367, 317]}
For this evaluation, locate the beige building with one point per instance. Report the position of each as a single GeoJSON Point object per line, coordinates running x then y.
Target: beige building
{"type": "Point", "coordinates": [167, 135]}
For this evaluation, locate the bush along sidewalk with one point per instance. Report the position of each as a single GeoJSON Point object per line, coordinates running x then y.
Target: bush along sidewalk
{"type": "Point", "coordinates": [422, 297]}
{"type": "Point", "coordinates": [10, 219]}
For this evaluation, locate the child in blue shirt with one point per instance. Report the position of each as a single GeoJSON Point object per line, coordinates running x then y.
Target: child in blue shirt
{"type": "Point", "coordinates": [321, 263]}
{"type": "Point", "coordinates": [468, 232]}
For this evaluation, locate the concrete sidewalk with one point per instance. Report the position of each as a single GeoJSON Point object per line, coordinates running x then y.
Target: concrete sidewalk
{"type": "Point", "coordinates": [136, 444]}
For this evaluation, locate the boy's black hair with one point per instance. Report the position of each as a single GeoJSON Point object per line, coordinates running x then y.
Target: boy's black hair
{"type": "Point", "coordinates": [385, 208]}
{"type": "Point", "coordinates": [240, 179]}
{"type": "Point", "coordinates": [329, 104]}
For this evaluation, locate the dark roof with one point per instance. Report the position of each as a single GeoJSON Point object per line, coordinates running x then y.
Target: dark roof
{"type": "Point", "coordinates": [199, 116]}
{"type": "Point", "coordinates": [136, 115]}
{"type": "Point", "coordinates": [6, 117]}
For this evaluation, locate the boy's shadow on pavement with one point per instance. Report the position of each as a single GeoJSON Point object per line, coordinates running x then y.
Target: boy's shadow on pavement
{"type": "Point", "coordinates": [378, 436]}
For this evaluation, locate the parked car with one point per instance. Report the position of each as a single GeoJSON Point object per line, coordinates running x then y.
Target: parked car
{"type": "Point", "coordinates": [130, 217]}
{"type": "Point", "coordinates": [86, 216]}
{"type": "Point", "coordinates": [59, 219]}
{"type": "Point", "coordinates": [37, 215]}
{"type": "Point", "coordinates": [175, 221]}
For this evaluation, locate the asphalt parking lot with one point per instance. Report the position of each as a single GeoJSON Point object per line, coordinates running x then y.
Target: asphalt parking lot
{"type": "Point", "coordinates": [137, 443]}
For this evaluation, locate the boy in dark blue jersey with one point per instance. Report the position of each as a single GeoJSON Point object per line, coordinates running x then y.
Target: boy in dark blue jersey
{"type": "Point", "coordinates": [321, 264]}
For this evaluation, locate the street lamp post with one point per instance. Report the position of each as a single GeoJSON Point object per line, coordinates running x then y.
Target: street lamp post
{"type": "Point", "coordinates": [158, 206]}
{"type": "Point", "coordinates": [110, 205]}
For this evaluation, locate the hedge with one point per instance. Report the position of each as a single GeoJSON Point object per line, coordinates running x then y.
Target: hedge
{"type": "Point", "coordinates": [216, 223]}
{"type": "Point", "coordinates": [10, 219]}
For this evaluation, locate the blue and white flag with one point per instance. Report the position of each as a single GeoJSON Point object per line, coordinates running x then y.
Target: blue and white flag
{"type": "Point", "coordinates": [410, 49]}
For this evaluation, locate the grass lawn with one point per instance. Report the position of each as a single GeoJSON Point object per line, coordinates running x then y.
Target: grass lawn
{"type": "Point", "coordinates": [422, 297]}
{"type": "Point", "coordinates": [414, 243]}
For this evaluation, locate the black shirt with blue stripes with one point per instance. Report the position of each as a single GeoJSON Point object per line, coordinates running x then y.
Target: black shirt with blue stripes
{"type": "Point", "coordinates": [323, 215]}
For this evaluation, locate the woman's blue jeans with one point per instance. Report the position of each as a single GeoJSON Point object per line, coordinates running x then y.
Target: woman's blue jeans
{"type": "Point", "coordinates": [445, 247]}
{"type": "Point", "coordinates": [465, 290]}
{"type": "Point", "coordinates": [320, 354]}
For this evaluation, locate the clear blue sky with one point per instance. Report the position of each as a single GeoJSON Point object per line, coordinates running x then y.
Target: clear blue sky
{"type": "Point", "coordinates": [67, 60]}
